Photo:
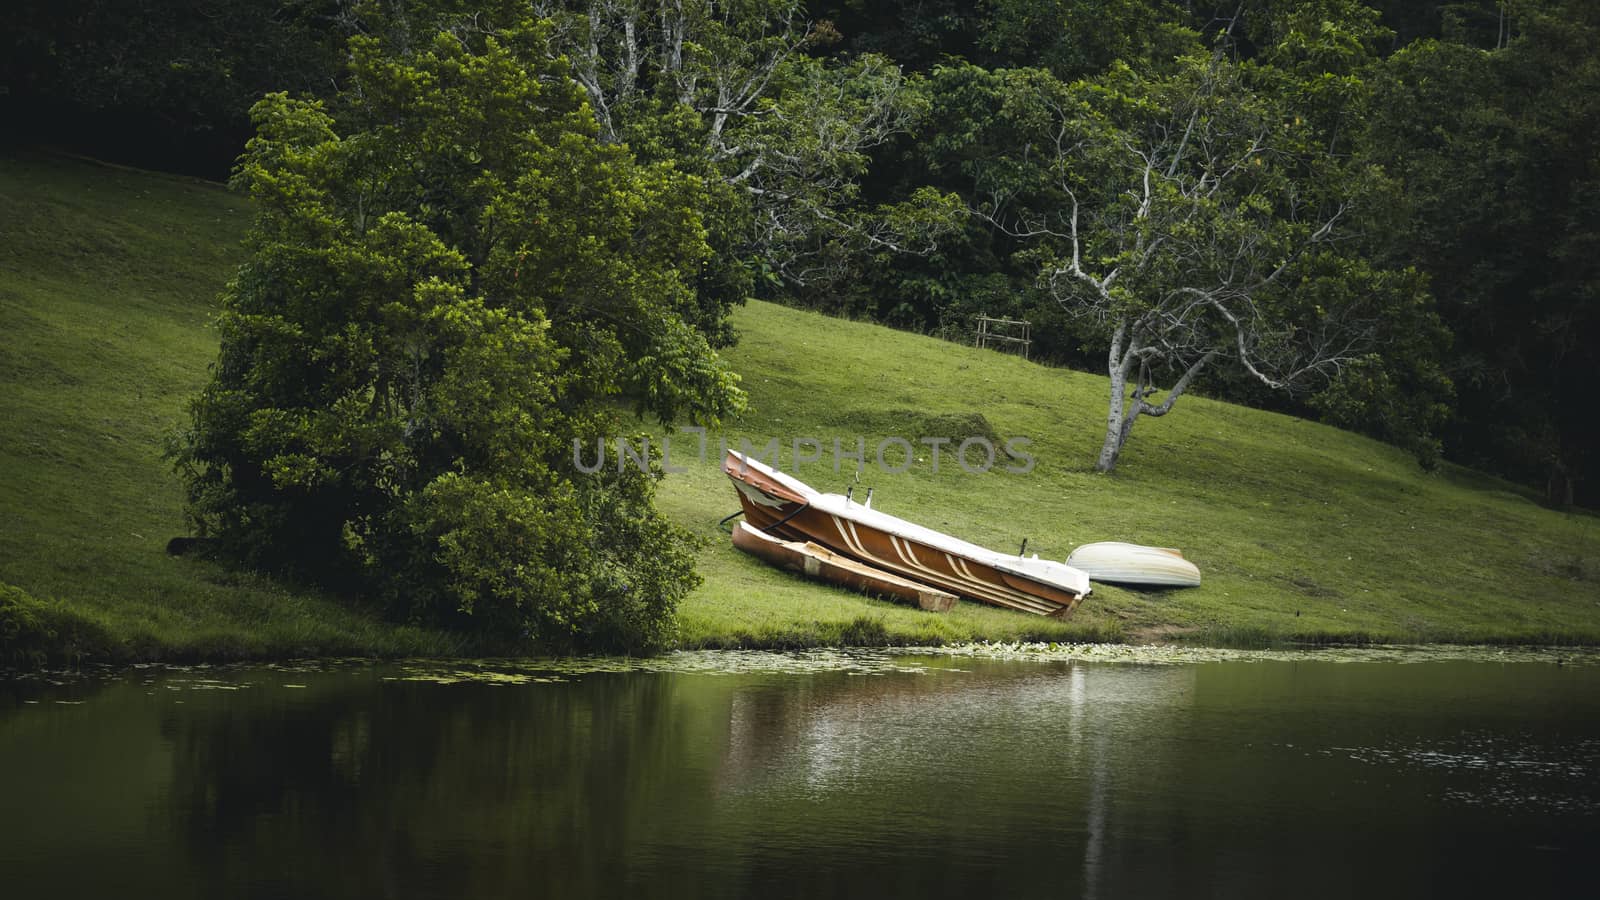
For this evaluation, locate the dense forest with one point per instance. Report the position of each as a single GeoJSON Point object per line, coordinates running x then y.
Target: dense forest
{"type": "Point", "coordinates": [1383, 216]}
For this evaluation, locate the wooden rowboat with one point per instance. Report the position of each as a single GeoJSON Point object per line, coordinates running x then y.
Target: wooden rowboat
{"type": "Point", "coordinates": [816, 561]}
{"type": "Point", "coordinates": [787, 508]}
{"type": "Point", "coordinates": [1119, 563]}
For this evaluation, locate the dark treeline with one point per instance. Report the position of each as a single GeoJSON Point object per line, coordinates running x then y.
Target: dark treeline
{"type": "Point", "coordinates": [1484, 116]}
{"type": "Point", "coordinates": [166, 84]}
{"type": "Point", "coordinates": [1480, 117]}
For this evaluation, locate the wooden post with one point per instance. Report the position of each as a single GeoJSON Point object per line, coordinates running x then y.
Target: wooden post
{"type": "Point", "coordinates": [986, 336]}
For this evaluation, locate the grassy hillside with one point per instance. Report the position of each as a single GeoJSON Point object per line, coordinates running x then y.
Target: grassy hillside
{"type": "Point", "coordinates": [107, 285]}
{"type": "Point", "coordinates": [1301, 531]}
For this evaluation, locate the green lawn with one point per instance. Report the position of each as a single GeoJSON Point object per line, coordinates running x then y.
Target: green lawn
{"type": "Point", "coordinates": [107, 285]}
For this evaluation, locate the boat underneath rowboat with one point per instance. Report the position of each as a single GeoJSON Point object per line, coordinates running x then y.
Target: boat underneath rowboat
{"type": "Point", "coordinates": [1118, 563]}
{"type": "Point", "coordinates": [816, 561]}
{"type": "Point", "coordinates": [787, 508]}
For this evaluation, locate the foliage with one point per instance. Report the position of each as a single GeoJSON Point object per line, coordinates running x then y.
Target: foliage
{"type": "Point", "coordinates": [1181, 220]}
{"type": "Point", "coordinates": [451, 280]}
{"type": "Point", "coordinates": [110, 282]}
{"type": "Point", "coordinates": [1075, 38]}
{"type": "Point", "coordinates": [1321, 58]}
{"type": "Point", "coordinates": [787, 132]}
{"type": "Point", "coordinates": [1071, 38]}
{"type": "Point", "coordinates": [105, 333]}
{"type": "Point", "coordinates": [801, 131]}
{"type": "Point", "coordinates": [1397, 391]}
{"type": "Point", "coordinates": [35, 632]}
{"type": "Point", "coordinates": [25, 635]}
{"type": "Point", "coordinates": [827, 170]}
{"type": "Point", "coordinates": [1495, 153]}
{"type": "Point", "coordinates": [917, 34]}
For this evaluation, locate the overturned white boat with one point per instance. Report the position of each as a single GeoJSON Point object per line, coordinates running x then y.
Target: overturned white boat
{"type": "Point", "coordinates": [1116, 562]}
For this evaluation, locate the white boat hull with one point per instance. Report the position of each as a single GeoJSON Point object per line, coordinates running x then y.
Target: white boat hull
{"type": "Point", "coordinates": [1115, 562]}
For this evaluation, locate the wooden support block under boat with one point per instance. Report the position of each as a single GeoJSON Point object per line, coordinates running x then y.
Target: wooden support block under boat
{"type": "Point", "coordinates": [815, 561]}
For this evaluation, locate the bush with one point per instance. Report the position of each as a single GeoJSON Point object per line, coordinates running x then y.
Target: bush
{"type": "Point", "coordinates": [596, 568]}
{"type": "Point", "coordinates": [34, 632]}
{"type": "Point", "coordinates": [451, 280]}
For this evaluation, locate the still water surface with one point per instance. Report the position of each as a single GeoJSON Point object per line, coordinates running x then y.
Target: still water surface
{"type": "Point", "coordinates": [812, 775]}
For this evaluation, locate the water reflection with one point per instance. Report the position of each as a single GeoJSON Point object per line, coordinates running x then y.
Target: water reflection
{"type": "Point", "coordinates": [409, 789]}
{"type": "Point", "coordinates": [935, 777]}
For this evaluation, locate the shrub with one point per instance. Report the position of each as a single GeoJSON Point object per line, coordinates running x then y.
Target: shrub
{"type": "Point", "coordinates": [35, 632]}
{"type": "Point", "coordinates": [451, 280]}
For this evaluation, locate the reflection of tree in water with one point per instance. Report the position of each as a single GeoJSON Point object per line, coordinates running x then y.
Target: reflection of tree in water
{"type": "Point", "coordinates": [1011, 778]}
{"type": "Point", "coordinates": [415, 788]}
{"type": "Point", "coordinates": [838, 726]}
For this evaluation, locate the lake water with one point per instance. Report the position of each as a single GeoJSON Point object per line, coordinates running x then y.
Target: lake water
{"type": "Point", "coordinates": [809, 775]}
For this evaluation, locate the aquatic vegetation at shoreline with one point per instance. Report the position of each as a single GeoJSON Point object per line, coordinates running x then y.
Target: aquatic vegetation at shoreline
{"type": "Point", "coordinates": [1170, 654]}
{"type": "Point", "coordinates": [854, 661]}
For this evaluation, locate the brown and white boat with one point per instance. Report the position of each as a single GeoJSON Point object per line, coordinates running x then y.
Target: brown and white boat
{"type": "Point", "coordinates": [817, 561]}
{"type": "Point", "coordinates": [787, 508]}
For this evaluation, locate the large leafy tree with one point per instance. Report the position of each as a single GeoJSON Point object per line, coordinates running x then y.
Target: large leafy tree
{"type": "Point", "coordinates": [1182, 220]}
{"type": "Point", "coordinates": [1320, 60]}
{"type": "Point", "coordinates": [744, 94]}
{"type": "Point", "coordinates": [452, 279]}
{"type": "Point", "coordinates": [971, 270]}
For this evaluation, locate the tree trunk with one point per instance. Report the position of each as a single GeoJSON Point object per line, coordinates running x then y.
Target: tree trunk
{"type": "Point", "coordinates": [1117, 432]}
{"type": "Point", "coordinates": [1116, 436]}
{"type": "Point", "coordinates": [1558, 492]}
{"type": "Point", "coordinates": [1117, 365]}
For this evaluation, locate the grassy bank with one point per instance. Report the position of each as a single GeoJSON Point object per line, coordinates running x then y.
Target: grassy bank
{"type": "Point", "coordinates": [1302, 532]}
{"type": "Point", "coordinates": [107, 285]}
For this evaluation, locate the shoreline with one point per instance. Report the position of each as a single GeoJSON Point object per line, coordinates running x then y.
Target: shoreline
{"type": "Point", "coordinates": [510, 669]}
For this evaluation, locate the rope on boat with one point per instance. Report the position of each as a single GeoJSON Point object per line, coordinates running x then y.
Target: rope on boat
{"type": "Point", "coordinates": [803, 507]}
{"type": "Point", "coordinates": [728, 518]}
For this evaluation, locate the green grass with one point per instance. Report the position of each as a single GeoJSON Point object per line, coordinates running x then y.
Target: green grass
{"type": "Point", "coordinates": [1302, 532]}
{"type": "Point", "coordinates": [108, 280]}
{"type": "Point", "coordinates": [107, 285]}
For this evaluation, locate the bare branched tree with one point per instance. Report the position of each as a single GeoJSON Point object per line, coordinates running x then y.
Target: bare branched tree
{"type": "Point", "coordinates": [719, 59]}
{"type": "Point", "coordinates": [1171, 217]}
